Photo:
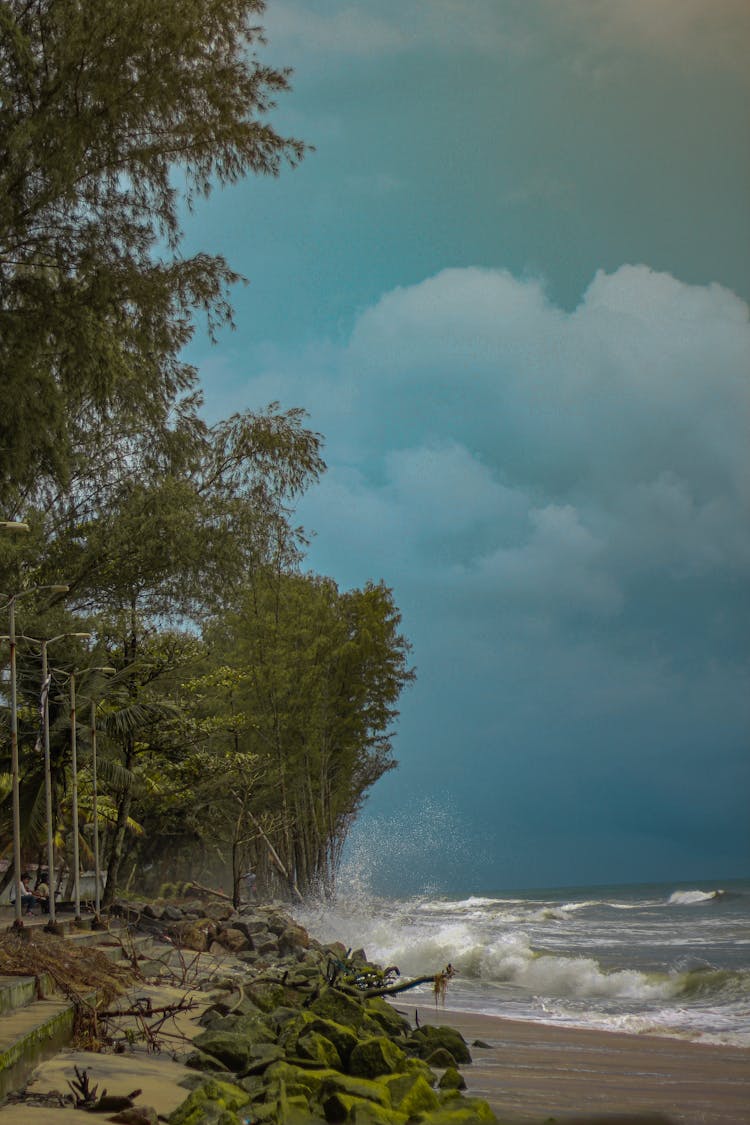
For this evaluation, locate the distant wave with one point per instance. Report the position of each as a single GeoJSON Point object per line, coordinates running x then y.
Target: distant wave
{"type": "Point", "coordinates": [692, 898]}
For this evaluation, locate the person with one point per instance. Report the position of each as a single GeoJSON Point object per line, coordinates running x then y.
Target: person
{"type": "Point", "coordinates": [27, 895]}
{"type": "Point", "coordinates": [249, 878]}
{"type": "Point", "coordinates": [41, 891]}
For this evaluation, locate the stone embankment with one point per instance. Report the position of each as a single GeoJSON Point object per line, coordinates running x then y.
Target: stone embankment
{"type": "Point", "coordinates": [301, 1036]}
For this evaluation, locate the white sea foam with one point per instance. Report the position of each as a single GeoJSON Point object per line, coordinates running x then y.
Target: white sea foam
{"type": "Point", "coordinates": [690, 898]}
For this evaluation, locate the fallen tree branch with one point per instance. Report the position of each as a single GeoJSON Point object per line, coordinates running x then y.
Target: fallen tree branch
{"type": "Point", "coordinates": [392, 989]}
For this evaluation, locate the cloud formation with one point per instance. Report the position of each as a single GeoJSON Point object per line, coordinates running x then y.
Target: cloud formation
{"type": "Point", "coordinates": [560, 500]}
{"type": "Point", "coordinates": [560, 456]}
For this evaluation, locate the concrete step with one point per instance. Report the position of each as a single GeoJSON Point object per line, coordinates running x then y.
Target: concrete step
{"type": "Point", "coordinates": [29, 1034]}
{"type": "Point", "coordinates": [35, 1021]}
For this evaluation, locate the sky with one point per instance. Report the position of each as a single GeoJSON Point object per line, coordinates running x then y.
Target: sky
{"type": "Point", "coordinates": [510, 286]}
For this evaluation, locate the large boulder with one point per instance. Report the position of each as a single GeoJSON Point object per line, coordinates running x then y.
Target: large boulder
{"type": "Point", "coordinates": [425, 1040]}
{"type": "Point", "coordinates": [411, 1094]}
{"type": "Point", "coordinates": [337, 1006]}
{"type": "Point", "coordinates": [233, 1049]}
{"type": "Point", "coordinates": [375, 1057]}
{"type": "Point", "coordinates": [387, 1017]}
{"type": "Point", "coordinates": [196, 934]}
{"type": "Point", "coordinates": [316, 1047]}
{"type": "Point", "coordinates": [293, 939]}
{"type": "Point", "coordinates": [208, 1102]}
{"type": "Point", "coordinates": [232, 939]}
{"type": "Point", "coordinates": [342, 1037]}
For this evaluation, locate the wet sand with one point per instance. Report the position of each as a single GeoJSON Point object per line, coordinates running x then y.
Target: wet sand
{"type": "Point", "coordinates": [532, 1072]}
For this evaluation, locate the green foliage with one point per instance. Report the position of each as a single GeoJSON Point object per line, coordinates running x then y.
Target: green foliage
{"type": "Point", "coordinates": [107, 106]}
{"type": "Point", "coordinates": [252, 705]}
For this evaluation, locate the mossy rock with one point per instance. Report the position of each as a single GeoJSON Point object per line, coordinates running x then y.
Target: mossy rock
{"type": "Point", "coordinates": [375, 1057]}
{"type": "Point", "coordinates": [316, 1047]}
{"type": "Point", "coordinates": [208, 1103]}
{"type": "Point", "coordinates": [452, 1080]}
{"type": "Point", "coordinates": [268, 996]}
{"type": "Point", "coordinates": [463, 1111]}
{"type": "Point", "coordinates": [342, 1037]}
{"type": "Point", "coordinates": [411, 1094]}
{"type": "Point", "coordinates": [388, 1018]}
{"type": "Point", "coordinates": [199, 1060]}
{"type": "Point", "coordinates": [425, 1040]}
{"type": "Point", "coordinates": [339, 1108]}
{"type": "Point", "coordinates": [263, 1055]}
{"type": "Point", "coordinates": [367, 1088]}
{"type": "Point", "coordinates": [232, 1049]}
{"type": "Point", "coordinates": [311, 1079]}
{"type": "Point", "coordinates": [339, 1007]}
{"type": "Point", "coordinates": [441, 1059]}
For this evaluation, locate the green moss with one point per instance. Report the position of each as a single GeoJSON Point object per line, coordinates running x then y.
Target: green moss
{"type": "Point", "coordinates": [376, 1056]}
{"type": "Point", "coordinates": [211, 1102]}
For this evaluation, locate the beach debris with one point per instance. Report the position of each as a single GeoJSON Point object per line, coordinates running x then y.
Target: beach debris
{"type": "Point", "coordinates": [442, 980]}
{"type": "Point", "coordinates": [83, 1092]}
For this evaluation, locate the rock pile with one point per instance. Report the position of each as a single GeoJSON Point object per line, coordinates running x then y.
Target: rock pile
{"type": "Point", "coordinates": [298, 1040]}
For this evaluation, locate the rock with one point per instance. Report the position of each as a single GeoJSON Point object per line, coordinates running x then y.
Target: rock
{"type": "Point", "coordinates": [198, 1107]}
{"type": "Point", "coordinates": [412, 1094]}
{"type": "Point", "coordinates": [194, 934]}
{"type": "Point", "coordinates": [138, 1115]}
{"type": "Point", "coordinates": [293, 939]}
{"type": "Point", "coordinates": [152, 911]}
{"type": "Point", "coordinates": [424, 1040]}
{"type": "Point", "coordinates": [355, 1087]}
{"type": "Point", "coordinates": [441, 1059]}
{"type": "Point", "coordinates": [387, 1017]}
{"type": "Point", "coordinates": [218, 911]}
{"type": "Point", "coordinates": [277, 923]}
{"type": "Point", "coordinates": [342, 1037]}
{"type": "Point", "coordinates": [337, 1006]}
{"type": "Point", "coordinates": [268, 996]}
{"type": "Point", "coordinates": [452, 1080]}
{"type": "Point", "coordinates": [481, 1043]}
{"type": "Point", "coordinates": [266, 946]}
{"type": "Point", "coordinates": [316, 1047]}
{"type": "Point", "coordinates": [375, 1057]}
{"type": "Point", "coordinates": [232, 939]}
{"type": "Point", "coordinates": [199, 1060]}
{"type": "Point", "coordinates": [233, 1049]}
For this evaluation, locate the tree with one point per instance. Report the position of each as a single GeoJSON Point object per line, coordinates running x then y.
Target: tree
{"type": "Point", "coordinates": [321, 675]}
{"type": "Point", "coordinates": [114, 116]}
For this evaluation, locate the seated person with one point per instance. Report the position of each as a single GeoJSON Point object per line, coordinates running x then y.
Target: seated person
{"type": "Point", "coordinates": [28, 898]}
{"type": "Point", "coordinates": [41, 892]}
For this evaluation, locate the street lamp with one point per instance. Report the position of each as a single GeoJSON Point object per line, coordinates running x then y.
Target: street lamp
{"type": "Point", "coordinates": [96, 924]}
{"type": "Point", "coordinates": [48, 771]}
{"type": "Point", "coordinates": [74, 791]}
{"type": "Point", "coordinates": [10, 605]}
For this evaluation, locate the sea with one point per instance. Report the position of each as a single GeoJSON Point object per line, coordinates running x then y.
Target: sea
{"type": "Point", "coordinates": [658, 959]}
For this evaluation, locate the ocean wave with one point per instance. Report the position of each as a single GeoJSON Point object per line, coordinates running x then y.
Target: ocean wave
{"type": "Point", "coordinates": [692, 898]}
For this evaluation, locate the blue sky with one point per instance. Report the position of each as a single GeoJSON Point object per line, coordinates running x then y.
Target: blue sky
{"type": "Point", "coordinates": [510, 286]}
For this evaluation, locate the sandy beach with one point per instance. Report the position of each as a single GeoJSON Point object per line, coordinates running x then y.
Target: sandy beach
{"type": "Point", "coordinates": [529, 1072]}
{"type": "Point", "coordinates": [533, 1071]}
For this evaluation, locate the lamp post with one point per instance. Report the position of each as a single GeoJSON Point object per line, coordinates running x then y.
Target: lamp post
{"type": "Point", "coordinates": [74, 790]}
{"type": "Point", "coordinates": [96, 924]}
{"type": "Point", "coordinates": [46, 679]}
{"type": "Point", "coordinates": [11, 607]}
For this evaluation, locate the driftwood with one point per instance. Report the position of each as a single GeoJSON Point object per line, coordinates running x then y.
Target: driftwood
{"type": "Point", "coordinates": [192, 885]}
{"type": "Point", "coordinates": [392, 989]}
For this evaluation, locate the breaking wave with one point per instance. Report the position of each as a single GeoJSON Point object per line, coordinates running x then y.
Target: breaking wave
{"type": "Point", "coordinates": [692, 898]}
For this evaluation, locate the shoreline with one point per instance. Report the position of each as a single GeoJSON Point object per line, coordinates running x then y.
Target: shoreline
{"type": "Point", "coordinates": [532, 1071]}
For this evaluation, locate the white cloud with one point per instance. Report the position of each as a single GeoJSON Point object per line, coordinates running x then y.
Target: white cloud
{"type": "Point", "coordinates": [486, 440]}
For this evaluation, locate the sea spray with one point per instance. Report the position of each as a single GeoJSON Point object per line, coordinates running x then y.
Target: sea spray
{"type": "Point", "coordinates": [652, 958]}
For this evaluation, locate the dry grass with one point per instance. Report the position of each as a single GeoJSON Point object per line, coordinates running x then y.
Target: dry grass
{"type": "Point", "coordinates": [83, 974]}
